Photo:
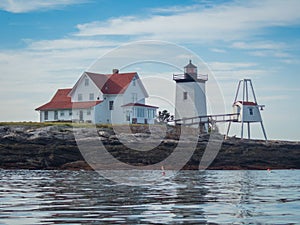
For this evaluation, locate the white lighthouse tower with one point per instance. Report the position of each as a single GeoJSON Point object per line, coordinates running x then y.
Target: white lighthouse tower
{"type": "Point", "coordinates": [248, 111]}
{"type": "Point", "coordinates": [190, 93]}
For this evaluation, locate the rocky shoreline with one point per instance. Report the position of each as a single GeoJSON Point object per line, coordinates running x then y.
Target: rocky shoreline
{"type": "Point", "coordinates": [55, 147]}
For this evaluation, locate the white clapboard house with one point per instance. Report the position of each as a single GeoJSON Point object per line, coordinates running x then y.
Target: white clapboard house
{"type": "Point", "coordinates": [117, 98]}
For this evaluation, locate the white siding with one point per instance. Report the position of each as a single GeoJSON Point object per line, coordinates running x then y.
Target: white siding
{"type": "Point", "coordinates": [250, 113]}
{"type": "Point", "coordinates": [85, 117]}
{"type": "Point", "coordinates": [134, 89]}
{"type": "Point", "coordinates": [62, 115]}
{"type": "Point", "coordinates": [195, 103]}
{"type": "Point", "coordinates": [85, 91]}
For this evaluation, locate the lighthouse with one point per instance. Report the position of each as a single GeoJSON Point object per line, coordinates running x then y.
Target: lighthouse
{"type": "Point", "coordinates": [190, 99]}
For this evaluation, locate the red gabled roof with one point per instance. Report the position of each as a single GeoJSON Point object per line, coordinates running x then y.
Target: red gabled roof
{"type": "Point", "coordinates": [115, 83]}
{"type": "Point", "coordinates": [61, 100]}
{"type": "Point", "coordinates": [246, 103]}
{"type": "Point", "coordinates": [139, 104]}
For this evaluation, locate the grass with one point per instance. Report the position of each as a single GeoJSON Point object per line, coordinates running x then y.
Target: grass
{"type": "Point", "coordinates": [36, 124]}
{"type": "Point", "coordinates": [68, 124]}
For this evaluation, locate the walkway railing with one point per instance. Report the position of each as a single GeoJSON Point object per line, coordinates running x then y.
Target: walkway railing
{"type": "Point", "coordinates": [231, 117]}
{"type": "Point", "coordinates": [203, 77]}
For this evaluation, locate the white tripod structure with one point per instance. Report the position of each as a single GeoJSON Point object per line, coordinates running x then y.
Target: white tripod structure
{"type": "Point", "coordinates": [248, 111]}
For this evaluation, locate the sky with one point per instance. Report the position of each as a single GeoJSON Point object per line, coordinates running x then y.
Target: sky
{"type": "Point", "coordinates": [47, 44]}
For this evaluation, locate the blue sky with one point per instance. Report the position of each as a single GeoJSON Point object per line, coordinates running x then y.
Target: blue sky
{"type": "Point", "coordinates": [46, 44]}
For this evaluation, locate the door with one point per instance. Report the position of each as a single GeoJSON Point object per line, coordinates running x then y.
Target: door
{"type": "Point", "coordinates": [55, 115]}
{"type": "Point", "coordinates": [80, 115]}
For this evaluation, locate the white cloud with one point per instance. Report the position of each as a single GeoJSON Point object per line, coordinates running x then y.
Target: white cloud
{"type": "Point", "coordinates": [265, 45]}
{"type": "Point", "coordinates": [69, 43]}
{"type": "Point", "coordinates": [266, 49]}
{"type": "Point", "coordinates": [218, 50]}
{"type": "Point", "coordinates": [232, 71]}
{"type": "Point", "coordinates": [22, 6]}
{"type": "Point", "coordinates": [221, 66]}
{"type": "Point", "coordinates": [178, 9]}
{"type": "Point", "coordinates": [231, 21]}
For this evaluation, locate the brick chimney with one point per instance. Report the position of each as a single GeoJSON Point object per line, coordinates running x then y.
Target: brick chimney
{"type": "Point", "coordinates": [115, 71]}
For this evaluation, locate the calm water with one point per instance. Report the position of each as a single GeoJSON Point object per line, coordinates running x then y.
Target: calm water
{"type": "Point", "coordinates": [192, 197]}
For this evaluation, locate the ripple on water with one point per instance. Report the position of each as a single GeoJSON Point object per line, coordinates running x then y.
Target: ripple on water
{"type": "Point", "coordinates": [192, 197]}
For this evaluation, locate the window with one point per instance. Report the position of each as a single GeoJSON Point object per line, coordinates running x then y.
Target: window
{"type": "Point", "coordinates": [134, 97]}
{"type": "Point", "coordinates": [88, 112]}
{"type": "Point", "coordinates": [134, 81]}
{"type": "Point", "coordinates": [140, 112]}
{"type": "Point", "coordinates": [111, 105]}
{"type": "Point", "coordinates": [251, 111]}
{"type": "Point", "coordinates": [86, 82]}
{"type": "Point", "coordinates": [150, 113]}
{"type": "Point", "coordinates": [185, 95]}
{"type": "Point", "coordinates": [79, 97]}
{"type": "Point", "coordinates": [91, 96]}
{"type": "Point", "coordinates": [70, 112]}
{"type": "Point", "coordinates": [62, 113]}
{"type": "Point", "coordinates": [46, 115]}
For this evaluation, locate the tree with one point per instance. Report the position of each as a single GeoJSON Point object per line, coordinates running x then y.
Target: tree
{"type": "Point", "coordinates": [164, 116]}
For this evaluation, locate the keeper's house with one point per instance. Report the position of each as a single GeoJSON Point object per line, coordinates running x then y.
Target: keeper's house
{"type": "Point", "coordinates": [117, 98]}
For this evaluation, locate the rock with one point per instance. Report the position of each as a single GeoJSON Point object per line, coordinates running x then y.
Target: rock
{"type": "Point", "coordinates": [77, 165]}
{"type": "Point", "coordinates": [55, 147]}
{"type": "Point", "coordinates": [104, 134]}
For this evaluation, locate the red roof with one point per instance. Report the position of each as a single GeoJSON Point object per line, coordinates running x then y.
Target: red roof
{"type": "Point", "coordinates": [61, 100]}
{"type": "Point", "coordinates": [246, 103]}
{"type": "Point", "coordinates": [139, 104]}
{"type": "Point", "coordinates": [112, 83]}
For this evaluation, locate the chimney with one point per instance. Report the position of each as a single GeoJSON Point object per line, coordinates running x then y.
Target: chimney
{"type": "Point", "coordinates": [115, 71]}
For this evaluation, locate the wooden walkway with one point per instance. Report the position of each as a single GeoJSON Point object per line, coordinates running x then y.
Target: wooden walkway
{"type": "Point", "coordinates": [209, 119]}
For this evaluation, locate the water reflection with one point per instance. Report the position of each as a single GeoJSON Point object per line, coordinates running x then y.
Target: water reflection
{"type": "Point", "coordinates": [192, 197]}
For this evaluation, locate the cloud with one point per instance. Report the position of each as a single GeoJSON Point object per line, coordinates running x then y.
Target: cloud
{"type": "Point", "coordinates": [228, 21]}
{"type": "Point", "coordinates": [218, 50]}
{"type": "Point", "coordinates": [68, 44]}
{"type": "Point", "coordinates": [265, 45]}
{"type": "Point", "coordinates": [236, 70]}
{"type": "Point", "coordinates": [268, 49]}
{"type": "Point", "coordinates": [221, 66]}
{"type": "Point", "coordinates": [23, 6]}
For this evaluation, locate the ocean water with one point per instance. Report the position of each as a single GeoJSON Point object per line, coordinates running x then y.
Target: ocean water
{"type": "Point", "coordinates": [191, 197]}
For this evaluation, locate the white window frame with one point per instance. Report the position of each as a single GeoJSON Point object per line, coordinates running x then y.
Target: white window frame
{"type": "Point", "coordinates": [80, 97]}
{"type": "Point", "coordinates": [46, 115]}
{"type": "Point", "coordinates": [140, 113]}
{"type": "Point", "coordinates": [134, 97]}
{"type": "Point", "coordinates": [86, 82]}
